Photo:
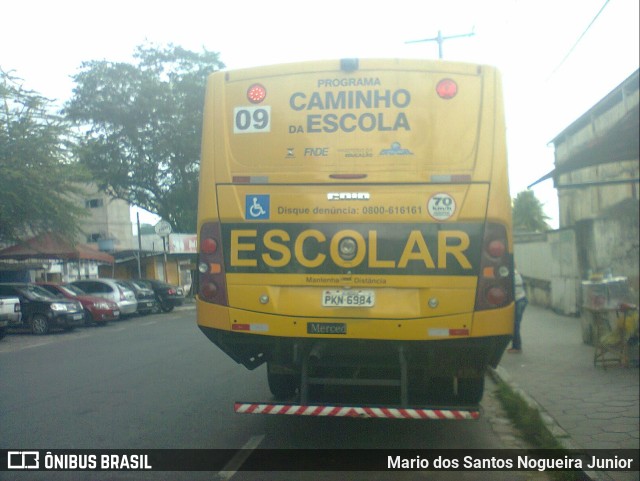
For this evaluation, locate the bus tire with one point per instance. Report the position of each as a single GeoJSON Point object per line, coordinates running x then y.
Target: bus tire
{"type": "Point", "coordinates": [470, 390]}
{"type": "Point", "coordinates": [282, 386]}
{"type": "Point", "coordinates": [440, 390]}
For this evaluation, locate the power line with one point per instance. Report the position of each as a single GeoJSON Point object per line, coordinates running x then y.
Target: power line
{"type": "Point", "coordinates": [579, 39]}
{"type": "Point", "coordinates": [440, 39]}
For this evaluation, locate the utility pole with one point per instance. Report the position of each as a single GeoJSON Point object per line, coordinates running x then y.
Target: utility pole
{"type": "Point", "coordinates": [139, 245]}
{"type": "Point", "coordinates": [440, 39]}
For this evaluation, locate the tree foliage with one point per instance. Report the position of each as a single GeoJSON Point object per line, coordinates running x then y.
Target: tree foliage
{"type": "Point", "coordinates": [142, 125]}
{"type": "Point", "coordinates": [37, 174]}
{"type": "Point", "coordinates": [528, 213]}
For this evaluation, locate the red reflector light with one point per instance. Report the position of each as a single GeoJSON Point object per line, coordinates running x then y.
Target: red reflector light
{"type": "Point", "coordinates": [496, 296]}
{"type": "Point", "coordinates": [496, 248]}
{"type": "Point", "coordinates": [447, 88]}
{"type": "Point", "coordinates": [256, 93]}
{"type": "Point", "coordinates": [210, 289]}
{"type": "Point", "coordinates": [241, 179]}
{"type": "Point", "coordinates": [209, 246]}
{"type": "Point", "coordinates": [458, 332]}
{"type": "Point", "coordinates": [241, 327]}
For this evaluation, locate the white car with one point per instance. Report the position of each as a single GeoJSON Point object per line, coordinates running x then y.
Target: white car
{"type": "Point", "coordinates": [113, 290]}
{"type": "Point", "coordinates": [10, 313]}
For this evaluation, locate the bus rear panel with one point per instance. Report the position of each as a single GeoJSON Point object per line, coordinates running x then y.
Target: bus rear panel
{"type": "Point", "coordinates": [355, 231]}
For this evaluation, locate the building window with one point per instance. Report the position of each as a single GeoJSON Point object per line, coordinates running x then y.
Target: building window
{"type": "Point", "coordinates": [94, 237]}
{"type": "Point", "coordinates": [93, 203]}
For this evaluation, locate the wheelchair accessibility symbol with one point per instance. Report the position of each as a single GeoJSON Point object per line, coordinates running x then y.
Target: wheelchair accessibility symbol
{"type": "Point", "coordinates": [257, 206]}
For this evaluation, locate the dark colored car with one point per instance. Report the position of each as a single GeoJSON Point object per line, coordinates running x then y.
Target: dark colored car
{"type": "Point", "coordinates": [144, 295]}
{"type": "Point", "coordinates": [168, 296]}
{"type": "Point", "coordinates": [96, 309]}
{"type": "Point", "coordinates": [43, 311]}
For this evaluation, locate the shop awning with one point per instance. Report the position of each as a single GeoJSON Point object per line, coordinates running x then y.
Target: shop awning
{"type": "Point", "coordinates": [52, 246]}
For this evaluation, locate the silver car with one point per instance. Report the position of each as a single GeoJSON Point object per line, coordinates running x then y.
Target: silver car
{"type": "Point", "coordinates": [113, 290]}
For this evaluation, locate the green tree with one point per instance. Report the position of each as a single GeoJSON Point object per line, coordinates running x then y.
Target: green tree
{"type": "Point", "coordinates": [37, 173]}
{"type": "Point", "coordinates": [528, 213]}
{"type": "Point", "coordinates": [142, 126]}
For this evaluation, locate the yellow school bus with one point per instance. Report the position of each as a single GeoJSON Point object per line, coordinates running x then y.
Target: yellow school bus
{"type": "Point", "coordinates": [354, 229]}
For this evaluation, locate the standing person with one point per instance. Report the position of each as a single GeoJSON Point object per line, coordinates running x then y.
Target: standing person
{"type": "Point", "coordinates": [521, 303]}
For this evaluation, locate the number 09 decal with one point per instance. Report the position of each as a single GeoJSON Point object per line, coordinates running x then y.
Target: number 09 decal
{"type": "Point", "coordinates": [250, 120]}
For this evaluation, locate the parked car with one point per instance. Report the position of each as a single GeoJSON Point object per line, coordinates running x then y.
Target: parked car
{"type": "Point", "coordinates": [97, 310]}
{"type": "Point", "coordinates": [110, 289]}
{"type": "Point", "coordinates": [144, 295]}
{"type": "Point", "coordinates": [41, 310]}
{"type": "Point", "coordinates": [168, 296]}
{"type": "Point", "coordinates": [10, 314]}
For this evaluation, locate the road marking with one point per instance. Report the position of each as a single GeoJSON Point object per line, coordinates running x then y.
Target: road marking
{"type": "Point", "coordinates": [35, 345]}
{"type": "Point", "coordinates": [236, 462]}
{"type": "Point", "coordinates": [20, 343]}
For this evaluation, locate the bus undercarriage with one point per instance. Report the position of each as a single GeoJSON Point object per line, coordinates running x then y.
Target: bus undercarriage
{"type": "Point", "coordinates": [303, 372]}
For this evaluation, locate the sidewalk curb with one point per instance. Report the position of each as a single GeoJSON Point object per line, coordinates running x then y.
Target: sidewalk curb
{"type": "Point", "coordinates": [186, 307]}
{"type": "Point", "coordinates": [501, 375]}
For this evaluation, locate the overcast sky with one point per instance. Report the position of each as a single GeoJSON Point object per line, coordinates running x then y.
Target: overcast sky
{"type": "Point", "coordinates": [45, 41]}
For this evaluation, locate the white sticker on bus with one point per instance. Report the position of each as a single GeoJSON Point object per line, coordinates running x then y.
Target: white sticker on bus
{"type": "Point", "coordinates": [441, 206]}
{"type": "Point", "coordinates": [251, 120]}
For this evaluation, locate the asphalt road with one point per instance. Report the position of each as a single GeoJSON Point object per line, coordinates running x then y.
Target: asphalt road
{"type": "Point", "coordinates": [156, 382]}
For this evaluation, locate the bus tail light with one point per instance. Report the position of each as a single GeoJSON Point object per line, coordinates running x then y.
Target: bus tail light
{"type": "Point", "coordinates": [495, 281]}
{"type": "Point", "coordinates": [447, 88]}
{"type": "Point", "coordinates": [212, 280]}
{"type": "Point", "coordinates": [256, 93]}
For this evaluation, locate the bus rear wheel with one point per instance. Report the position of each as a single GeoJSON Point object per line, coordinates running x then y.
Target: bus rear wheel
{"type": "Point", "coordinates": [470, 389]}
{"type": "Point", "coordinates": [282, 386]}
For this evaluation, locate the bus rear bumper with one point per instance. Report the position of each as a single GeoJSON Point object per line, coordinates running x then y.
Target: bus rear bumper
{"type": "Point", "coordinates": [445, 356]}
{"type": "Point", "coordinates": [360, 411]}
